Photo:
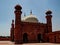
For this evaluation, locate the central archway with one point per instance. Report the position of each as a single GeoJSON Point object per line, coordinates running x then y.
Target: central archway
{"type": "Point", "coordinates": [39, 38]}
{"type": "Point", "coordinates": [25, 38]}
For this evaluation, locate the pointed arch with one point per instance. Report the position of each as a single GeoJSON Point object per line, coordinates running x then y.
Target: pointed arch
{"type": "Point", "coordinates": [25, 38]}
{"type": "Point", "coordinates": [39, 37]}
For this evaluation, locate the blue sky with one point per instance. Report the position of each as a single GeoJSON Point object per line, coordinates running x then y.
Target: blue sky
{"type": "Point", "coordinates": [38, 7]}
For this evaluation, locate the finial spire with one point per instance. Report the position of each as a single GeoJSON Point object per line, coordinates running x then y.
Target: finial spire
{"type": "Point", "coordinates": [31, 12]}
{"type": "Point", "coordinates": [24, 14]}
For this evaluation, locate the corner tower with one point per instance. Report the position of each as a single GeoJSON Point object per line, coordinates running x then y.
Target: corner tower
{"type": "Point", "coordinates": [17, 31]}
{"type": "Point", "coordinates": [49, 21]}
{"type": "Point", "coordinates": [12, 31]}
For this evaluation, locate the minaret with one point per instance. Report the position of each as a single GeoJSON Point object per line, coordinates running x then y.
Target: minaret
{"type": "Point", "coordinates": [12, 31]}
{"type": "Point", "coordinates": [17, 31]}
{"type": "Point", "coordinates": [49, 21]}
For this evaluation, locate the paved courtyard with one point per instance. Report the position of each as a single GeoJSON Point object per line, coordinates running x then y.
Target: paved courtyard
{"type": "Point", "coordinates": [12, 43]}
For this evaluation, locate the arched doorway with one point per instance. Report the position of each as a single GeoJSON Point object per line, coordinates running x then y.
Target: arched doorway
{"type": "Point", "coordinates": [55, 39]}
{"type": "Point", "coordinates": [39, 38]}
{"type": "Point", "coordinates": [25, 38]}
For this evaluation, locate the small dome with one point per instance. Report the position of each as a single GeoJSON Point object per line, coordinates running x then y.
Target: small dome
{"type": "Point", "coordinates": [30, 18]}
{"type": "Point", "coordinates": [18, 7]}
{"type": "Point", "coordinates": [49, 12]}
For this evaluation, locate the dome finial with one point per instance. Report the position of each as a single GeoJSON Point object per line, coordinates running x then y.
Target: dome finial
{"type": "Point", "coordinates": [30, 12]}
{"type": "Point", "coordinates": [24, 14]}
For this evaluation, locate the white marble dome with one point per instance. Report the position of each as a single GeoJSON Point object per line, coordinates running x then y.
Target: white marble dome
{"type": "Point", "coordinates": [30, 18]}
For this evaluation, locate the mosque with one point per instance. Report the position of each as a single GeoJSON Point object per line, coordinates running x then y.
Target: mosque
{"type": "Point", "coordinates": [30, 30]}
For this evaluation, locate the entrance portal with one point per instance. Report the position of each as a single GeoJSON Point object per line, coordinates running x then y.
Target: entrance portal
{"type": "Point", "coordinates": [39, 37]}
{"type": "Point", "coordinates": [25, 38]}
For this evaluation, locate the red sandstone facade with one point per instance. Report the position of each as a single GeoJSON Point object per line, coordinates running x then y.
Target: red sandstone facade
{"type": "Point", "coordinates": [28, 32]}
{"type": "Point", "coordinates": [54, 37]}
